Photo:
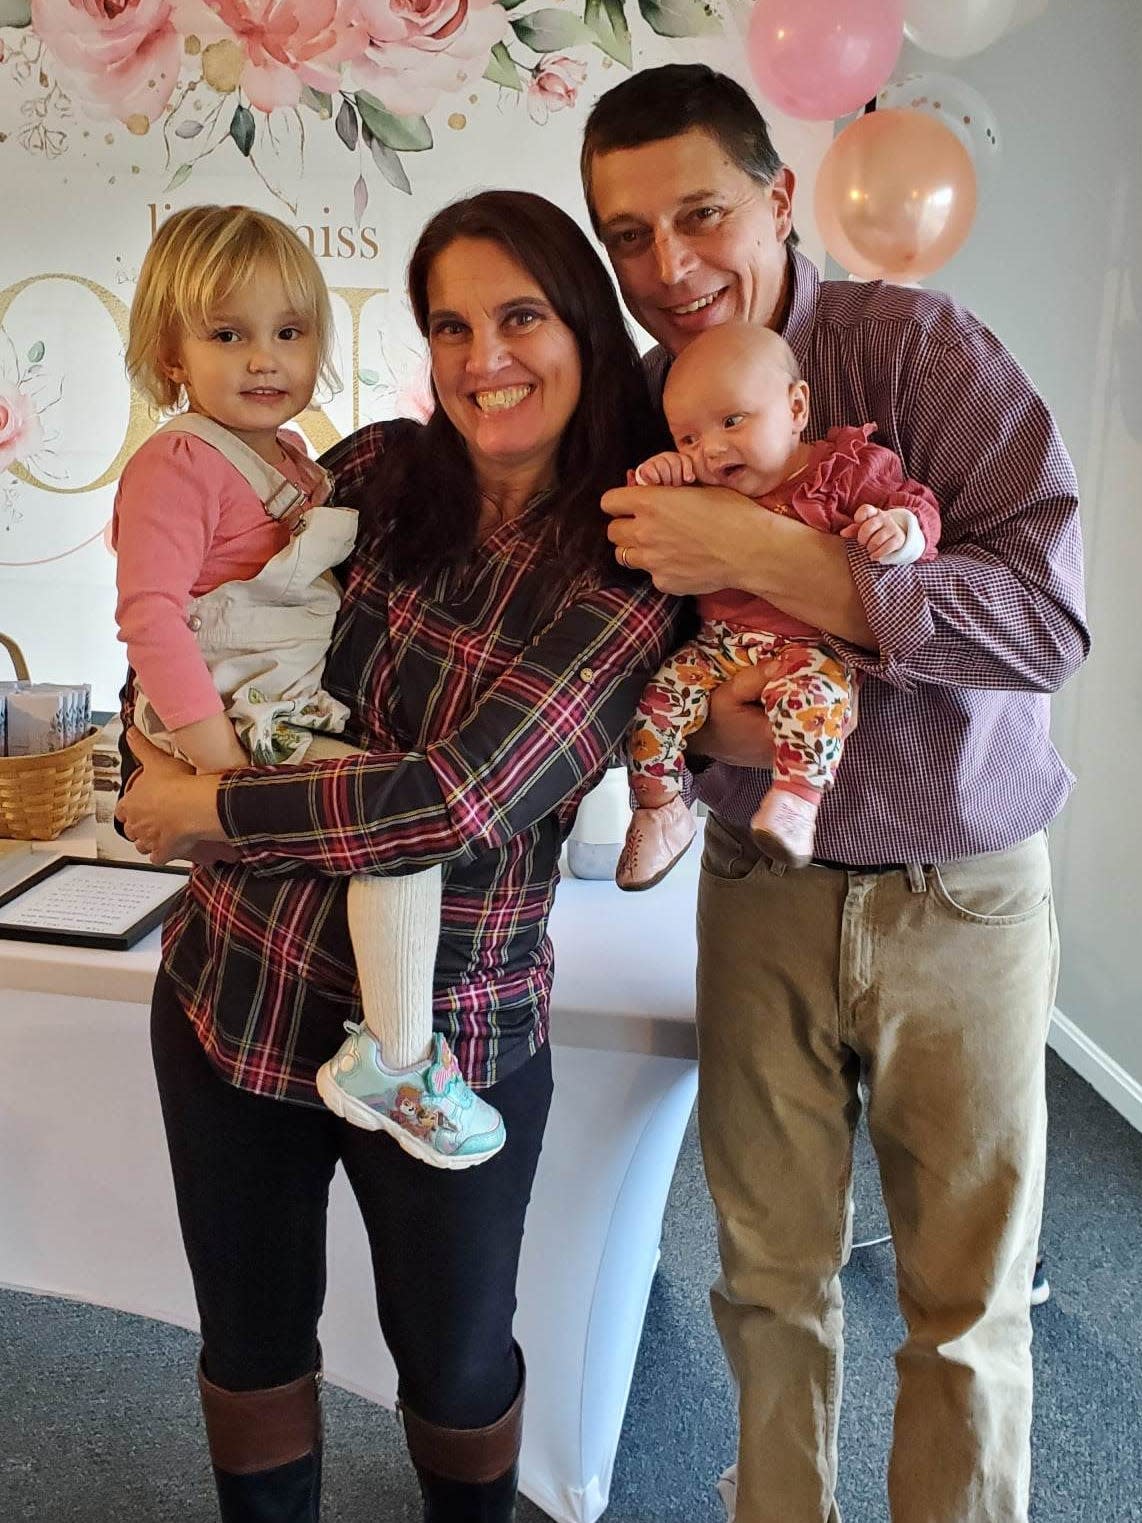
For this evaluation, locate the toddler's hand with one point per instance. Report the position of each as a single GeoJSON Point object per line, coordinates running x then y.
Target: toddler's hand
{"type": "Point", "coordinates": [668, 469]}
{"type": "Point", "coordinates": [878, 532]}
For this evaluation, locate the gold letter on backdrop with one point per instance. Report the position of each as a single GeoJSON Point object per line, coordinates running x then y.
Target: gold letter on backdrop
{"type": "Point", "coordinates": [139, 421]}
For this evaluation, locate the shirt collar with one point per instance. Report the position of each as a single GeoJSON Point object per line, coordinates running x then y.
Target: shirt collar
{"type": "Point", "coordinates": [805, 282]}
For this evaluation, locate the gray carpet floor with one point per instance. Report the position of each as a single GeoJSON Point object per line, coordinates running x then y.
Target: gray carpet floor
{"type": "Point", "coordinates": [99, 1422]}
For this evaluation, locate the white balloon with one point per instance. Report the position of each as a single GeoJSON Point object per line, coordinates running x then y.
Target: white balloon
{"type": "Point", "coordinates": [957, 28]}
{"type": "Point", "coordinates": [956, 104]}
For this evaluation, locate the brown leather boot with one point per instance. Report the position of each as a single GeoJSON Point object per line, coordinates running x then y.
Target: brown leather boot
{"type": "Point", "coordinates": [468, 1475]}
{"type": "Point", "coordinates": [265, 1447]}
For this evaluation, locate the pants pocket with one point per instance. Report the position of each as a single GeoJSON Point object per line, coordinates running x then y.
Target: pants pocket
{"type": "Point", "coordinates": [999, 888]}
{"type": "Point", "coordinates": [725, 856]}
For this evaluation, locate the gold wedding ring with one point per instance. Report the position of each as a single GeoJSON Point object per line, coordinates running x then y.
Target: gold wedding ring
{"type": "Point", "coordinates": [624, 558]}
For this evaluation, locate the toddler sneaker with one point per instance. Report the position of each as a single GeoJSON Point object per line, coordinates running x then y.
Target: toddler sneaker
{"type": "Point", "coordinates": [784, 825]}
{"type": "Point", "coordinates": [428, 1108]}
{"type": "Point", "coordinates": [655, 840]}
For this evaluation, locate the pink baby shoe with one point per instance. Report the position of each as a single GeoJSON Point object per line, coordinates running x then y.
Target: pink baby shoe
{"type": "Point", "coordinates": [784, 825]}
{"type": "Point", "coordinates": [655, 840]}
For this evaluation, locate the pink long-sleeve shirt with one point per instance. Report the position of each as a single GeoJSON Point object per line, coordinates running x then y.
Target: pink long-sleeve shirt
{"type": "Point", "coordinates": [184, 522]}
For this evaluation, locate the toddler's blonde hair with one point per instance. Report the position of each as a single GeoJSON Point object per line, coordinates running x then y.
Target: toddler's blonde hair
{"type": "Point", "coordinates": [198, 258]}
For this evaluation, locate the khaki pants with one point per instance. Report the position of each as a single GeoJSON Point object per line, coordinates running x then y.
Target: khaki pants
{"type": "Point", "coordinates": [938, 983]}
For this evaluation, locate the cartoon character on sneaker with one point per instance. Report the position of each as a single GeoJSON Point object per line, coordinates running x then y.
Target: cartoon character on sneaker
{"type": "Point", "coordinates": [418, 1115]}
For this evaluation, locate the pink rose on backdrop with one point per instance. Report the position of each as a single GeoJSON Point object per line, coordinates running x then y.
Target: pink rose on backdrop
{"type": "Point", "coordinates": [419, 50]}
{"type": "Point", "coordinates": [21, 433]}
{"type": "Point", "coordinates": [121, 57]}
{"type": "Point", "coordinates": [555, 84]}
{"type": "Point", "coordinates": [291, 43]}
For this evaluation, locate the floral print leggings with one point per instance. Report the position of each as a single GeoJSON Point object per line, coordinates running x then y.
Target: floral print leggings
{"type": "Point", "coordinates": [808, 703]}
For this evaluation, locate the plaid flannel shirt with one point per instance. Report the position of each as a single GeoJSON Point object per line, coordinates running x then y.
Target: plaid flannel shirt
{"type": "Point", "coordinates": [487, 714]}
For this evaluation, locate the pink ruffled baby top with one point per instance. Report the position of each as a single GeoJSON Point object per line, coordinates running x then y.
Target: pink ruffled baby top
{"type": "Point", "coordinates": [846, 470]}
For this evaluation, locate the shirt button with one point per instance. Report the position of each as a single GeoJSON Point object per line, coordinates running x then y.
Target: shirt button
{"type": "Point", "coordinates": [587, 674]}
{"type": "Point", "coordinates": [194, 623]}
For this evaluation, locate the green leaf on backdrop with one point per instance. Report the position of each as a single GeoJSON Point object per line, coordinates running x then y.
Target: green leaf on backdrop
{"type": "Point", "coordinates": [387, 162]}
{"type": "Point", "coordinates": [509, 5]}
{"type": "Point", "coordinates": [180, 177]}
{"type": "Point", "coordinates": [317, 100]}
{"type": "Point", "coordinates": [15, 13]}
{"type": "Point", "coordinates": [36, 352]}
{"type": "Point", "coordinates": [407, 134]}
{"type": "Point", "coordinates": [242, 129]}
{"type": "Point", "coordinates": [501, 69]}
{"type": "Point", "coordinates": [680, 18]}
{"type": "Point", "coordinates": [347, 125]}
{"type": "Point", "coordinates": [551, 31]}
{"type": "Point", "coordinates": [607, 19]}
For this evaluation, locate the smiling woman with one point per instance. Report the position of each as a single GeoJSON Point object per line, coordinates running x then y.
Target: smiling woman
{"type": "Point", "coordinates": [536, 378]}
{"type": "Point", "coordinates": [490, 652]}
{"type": "Point", "coordinates": [506, 368]}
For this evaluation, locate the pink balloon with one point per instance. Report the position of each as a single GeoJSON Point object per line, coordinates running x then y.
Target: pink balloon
{"type": "Point", "coordinates": [820, 59]}
{"type": "Point", "coordinates": [895, 195]}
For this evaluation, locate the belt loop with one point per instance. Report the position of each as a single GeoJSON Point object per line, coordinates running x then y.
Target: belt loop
{"type": "Point", "coordinates": [917, 879]}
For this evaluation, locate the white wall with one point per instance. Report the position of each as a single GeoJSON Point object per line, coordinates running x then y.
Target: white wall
{"type": "Point", "coordinates": [1054, 265]}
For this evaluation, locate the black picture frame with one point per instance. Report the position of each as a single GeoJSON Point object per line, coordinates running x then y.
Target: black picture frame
{"type": "Point", "coordinates": [118, 941]}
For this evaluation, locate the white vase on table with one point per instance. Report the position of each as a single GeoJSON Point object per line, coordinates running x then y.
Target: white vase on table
{"type": "Point", "coordinates": [600, 827]}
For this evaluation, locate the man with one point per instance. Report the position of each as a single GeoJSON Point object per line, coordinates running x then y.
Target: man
{"type": "Point", "coordinates": [919, 947]}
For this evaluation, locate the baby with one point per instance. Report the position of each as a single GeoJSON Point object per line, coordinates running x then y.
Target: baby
{"type": "Point", "coordinates": [737, 410]}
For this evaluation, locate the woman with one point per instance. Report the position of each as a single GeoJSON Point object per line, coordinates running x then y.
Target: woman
{"type": "Point", "coordinates": [492, 654]}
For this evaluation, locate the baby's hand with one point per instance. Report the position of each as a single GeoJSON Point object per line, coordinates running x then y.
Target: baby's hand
{"type": "Point", "coordinates": [880, 533]}
{"type": "Point", "coordinates": [668, 469]}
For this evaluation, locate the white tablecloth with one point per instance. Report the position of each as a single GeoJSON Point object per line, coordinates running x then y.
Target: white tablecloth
{"type": "Point", "coordinates": [86, 1208]}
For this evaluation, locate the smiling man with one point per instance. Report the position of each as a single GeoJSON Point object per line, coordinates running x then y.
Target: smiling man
{"type": "Point", "coordinates": [919, 946]}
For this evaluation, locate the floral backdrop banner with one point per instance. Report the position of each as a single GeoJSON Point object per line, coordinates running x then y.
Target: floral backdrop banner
{"type": "Point", "coordinates": [353, 120]}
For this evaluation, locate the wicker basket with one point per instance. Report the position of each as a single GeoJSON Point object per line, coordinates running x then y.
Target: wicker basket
{"type": "Point", "coordinates": [41, 796]}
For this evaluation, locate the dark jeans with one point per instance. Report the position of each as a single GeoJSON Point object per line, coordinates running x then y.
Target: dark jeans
{"type": "Point", "coordinates": [252, 1179]}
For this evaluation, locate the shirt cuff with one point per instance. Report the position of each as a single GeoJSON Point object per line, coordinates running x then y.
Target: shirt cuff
{"type": "Point", "coordinates": [899, 615]}
{"type": "Point", "coordinates": [913, 547]}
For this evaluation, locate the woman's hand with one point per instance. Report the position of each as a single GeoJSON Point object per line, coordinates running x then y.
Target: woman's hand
{"type": "Point", "coordinates": [168, 810]}
{"type": "Point", "coordinates": [736, 730]}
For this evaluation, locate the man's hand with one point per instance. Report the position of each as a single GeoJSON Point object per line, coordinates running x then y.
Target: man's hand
{"type": "Point", "coordinates": [168, 810]}
{"type": "Point", "coordinates": [736, 729]}
{"type": "Point", "coordinates": [690, 539]}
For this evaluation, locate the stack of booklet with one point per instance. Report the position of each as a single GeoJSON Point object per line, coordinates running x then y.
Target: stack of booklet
{"type": "Point", "coordinates": [36, 717]}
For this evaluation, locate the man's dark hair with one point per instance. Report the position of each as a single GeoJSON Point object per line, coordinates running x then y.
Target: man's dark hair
{"type": "Point", "coordinates": [680, 97]}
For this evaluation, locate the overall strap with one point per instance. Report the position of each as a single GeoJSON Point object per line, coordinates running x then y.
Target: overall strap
{"type": "Point", "coordinates": [281, 499]}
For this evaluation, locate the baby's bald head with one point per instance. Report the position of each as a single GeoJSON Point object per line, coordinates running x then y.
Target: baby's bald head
{"type": "Point", "coordinates": [740, 347]}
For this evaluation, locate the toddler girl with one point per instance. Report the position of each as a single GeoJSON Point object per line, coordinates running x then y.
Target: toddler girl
{"type": "Point", "coordinates": [737, 408]}
{"type": "Point", "coordinates": [226, 542]}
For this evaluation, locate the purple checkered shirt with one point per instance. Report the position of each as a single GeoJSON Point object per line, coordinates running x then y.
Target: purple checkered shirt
{"type": "Point", "coordinates": [488, 712]}
{"type": "Point", "coordinates": [952, 753]}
